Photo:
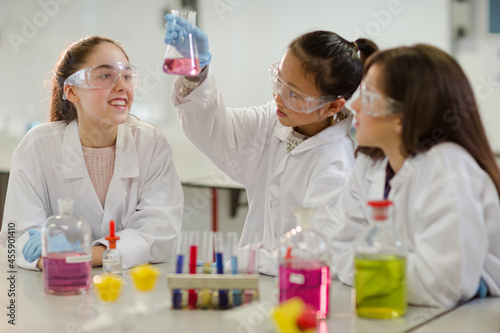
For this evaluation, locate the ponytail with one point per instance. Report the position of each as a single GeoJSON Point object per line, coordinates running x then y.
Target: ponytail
{"type": "Point", "coordinates": [365, 48]}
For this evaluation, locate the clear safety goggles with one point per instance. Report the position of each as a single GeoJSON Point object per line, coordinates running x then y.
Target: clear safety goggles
{"type": "Point", "coordinates": [375, 104]}
{"type": "Point", "coordinates": [105, 76]}
{"type": "Point", "coordinates": [294, 99]}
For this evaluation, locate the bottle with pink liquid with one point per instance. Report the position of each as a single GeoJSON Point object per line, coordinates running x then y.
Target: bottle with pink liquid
{"type": "Point", "coordinates": [182, 58]}
{"type": "Point", "coordinates": [66, 252]}
{"type": "Point", "coordinates": [304, 264]}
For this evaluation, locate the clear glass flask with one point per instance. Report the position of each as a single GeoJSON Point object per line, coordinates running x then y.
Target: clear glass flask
{"type": "Point", "coordinates": [112, 261]}
{"type": "Point", "coordinates": [304, 264]}
{"type": "Point", "coordinates": [66, 251]}
{"type": "Point", "coordinates": [183, 59]}
{"type": "Point", "coordinates": [380, 267]}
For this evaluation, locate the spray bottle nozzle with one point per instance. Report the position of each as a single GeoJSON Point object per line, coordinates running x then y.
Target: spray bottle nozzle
{"type": "Point", "coordinates": [112, 238]}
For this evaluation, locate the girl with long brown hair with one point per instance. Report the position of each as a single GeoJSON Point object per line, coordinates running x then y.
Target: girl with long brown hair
{"type": "Point", "coordinates": [422, 146]}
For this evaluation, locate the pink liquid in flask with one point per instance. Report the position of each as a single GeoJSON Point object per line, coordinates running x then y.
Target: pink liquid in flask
{"type": "Point", "coordinates": [62, 278]}
{"type": "Point", "coordinates": [307, 280]}
{"type": "Point", "coordinates": [182, 66]}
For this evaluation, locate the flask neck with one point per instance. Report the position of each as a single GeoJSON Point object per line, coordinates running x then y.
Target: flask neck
{"type": "Point", "coordinates": [65, 206]}
{"type": "Point", "coordinates": [303, 216]}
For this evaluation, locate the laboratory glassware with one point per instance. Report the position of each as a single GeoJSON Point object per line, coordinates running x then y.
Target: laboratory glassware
{"type": "Point", "coordinates": [181, 252]}
{"type": "Point", "coordinates": [194, 240]}
{"type": "Point", "coordinates": [66, 251]}
{"type": "Point", "coordinates": [380, 267]}
{"type": "Point", "coordinates": [232, 238]}
{"type": "Point", "coordinates": [304, 264]}
{"type": "Point", "coordinates": [183, 58]}
{"type": "Point", "coordinates": [219, 260]}
{"type": "Point", "coordinates": [205, 295]}
{"type": "Point", "coordinates": [112, 261]}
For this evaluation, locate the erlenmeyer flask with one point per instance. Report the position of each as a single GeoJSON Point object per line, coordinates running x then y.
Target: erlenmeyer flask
{"type": "Point", "coordinates": [183, 59]}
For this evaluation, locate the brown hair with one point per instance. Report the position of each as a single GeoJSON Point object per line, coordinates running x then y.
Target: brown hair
{"type": "Point", "coordinates": [335, 64]}
{"type": "Point", "coordinates": [437, 101]}
{"type": "Point", "coordinates": [69, 62]}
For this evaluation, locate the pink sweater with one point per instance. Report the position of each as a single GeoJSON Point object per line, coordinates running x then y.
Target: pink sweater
{"type": "Point", "coordinates": [100, 165]}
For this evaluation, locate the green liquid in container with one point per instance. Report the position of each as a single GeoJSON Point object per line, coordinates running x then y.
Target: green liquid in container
{"type": "Point", "coordinates": [380, 283]}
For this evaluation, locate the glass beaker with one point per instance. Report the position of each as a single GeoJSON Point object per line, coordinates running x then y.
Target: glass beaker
{"type": "Point", "coordinates": [183, 58]}
{"type": "Point", "coordinates": [66, 251]}
{"type": "Point", "coordinates": [304, 264]}
{"type": "Point", "coordinates": [380, 267]}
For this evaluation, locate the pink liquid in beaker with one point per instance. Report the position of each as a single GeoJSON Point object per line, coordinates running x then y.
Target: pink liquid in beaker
{"type": "Point", "coordinates": [307, 280]}
{"type": "Point", "coordinates": [62, 278]}
{"type": "Point", "coordinates": [182, 66]}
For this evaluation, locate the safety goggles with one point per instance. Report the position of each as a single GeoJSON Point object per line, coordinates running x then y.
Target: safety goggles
{"type": "Point", "coordinates": [375, 104]}
{"type": "Point", "coordinates": [105, 76]}
{"type": "Point", "coordinates": [294, 99]}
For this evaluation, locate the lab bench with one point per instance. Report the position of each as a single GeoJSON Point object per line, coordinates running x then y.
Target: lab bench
{"type": "Point", "coordinates": [37, 312]}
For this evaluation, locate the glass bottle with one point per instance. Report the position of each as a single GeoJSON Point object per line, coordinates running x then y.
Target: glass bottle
{"type": "Point", "coordinates": [183, 59]}
{"type": "Point", "coordinates": [112, 261]}
{"type": "Point", "coordinates": [304, 264]}
{"type": "Point", "coordinates": [380, 267]}
{"type": "Point", "coordinates": [67, 253]}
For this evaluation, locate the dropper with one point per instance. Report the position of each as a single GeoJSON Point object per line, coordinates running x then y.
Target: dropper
{"type": "Point", "coordinates": [112, 238]}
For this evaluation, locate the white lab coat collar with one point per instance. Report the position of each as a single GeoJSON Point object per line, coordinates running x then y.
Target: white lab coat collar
{"type": "Point", "coordinates": [329, 134]}
{"type": "Point", "coordinates": [126, 160]}
{"type": "Point", "coordinates": [377, 175]}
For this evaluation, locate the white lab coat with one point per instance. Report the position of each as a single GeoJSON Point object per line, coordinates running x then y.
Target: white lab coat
{"type": "Point", "coordinates": [448, 211]}
{"type": "Point", "coordinates": [249, 145]}
{"type": "Point", "coordinates": [144, 197]}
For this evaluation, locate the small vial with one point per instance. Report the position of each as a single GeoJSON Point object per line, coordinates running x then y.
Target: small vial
{"type": "Point", "coordinates": [112, 258]}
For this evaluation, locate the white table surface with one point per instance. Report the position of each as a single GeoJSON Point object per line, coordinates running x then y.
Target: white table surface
{"type": "Point", "coordinates": [215, 179]}
{"type": "Point", "coordinates": [38, 312]}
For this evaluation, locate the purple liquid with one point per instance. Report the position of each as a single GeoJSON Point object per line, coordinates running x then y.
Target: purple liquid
{"type": "Point", "coordinates": [63, 278]}
{"type": "Point", "coordinates": [307, 280]}
{"type": "Point", "coordinates": [182, 66]}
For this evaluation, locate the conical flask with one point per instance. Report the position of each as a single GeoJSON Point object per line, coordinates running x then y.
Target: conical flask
{"type": "Point", "coordinates": [183, 58]}
{"type": "Point", "coordinates": [380, 267]}
{"type": "Point", "coordinates": [66, 251]}
{"type": "Point", "coordinates": [304, 264]}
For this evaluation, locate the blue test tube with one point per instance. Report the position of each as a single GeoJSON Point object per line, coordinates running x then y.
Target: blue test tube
{"type": "Point", "coordinates": [232, 238]}
{"type": "Point", "coordinates": [180, 252]}
{"type": "Point", "coordinates": [219, 250]}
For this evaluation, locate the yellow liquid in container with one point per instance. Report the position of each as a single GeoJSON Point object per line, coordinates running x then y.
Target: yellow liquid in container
{"type": "Point", "coordinates": [380, 283]}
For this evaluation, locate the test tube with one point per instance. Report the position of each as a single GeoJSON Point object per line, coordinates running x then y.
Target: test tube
{"type": "Point", "coordinates": [232, 239]}
{"type": "Point", "coordinates": [219, 259]}
{"type": "Point", "coordinates": [251, 268]}
{"type": "Point", "coordinates": [181, 251]}
{"type": "Point", "coordinates": [208, 250]}
{"type": "Point", "coordinates": [194, 239]}
{"type": "Point", "coordinates": [205, 295]}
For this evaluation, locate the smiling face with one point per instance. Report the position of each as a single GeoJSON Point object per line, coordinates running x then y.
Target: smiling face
{"type": "Point", "coordinates": [102, 108]}
{"type": "Point", "coordinates": [293, 75]}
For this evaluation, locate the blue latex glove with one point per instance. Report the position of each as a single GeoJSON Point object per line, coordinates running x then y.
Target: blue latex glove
{"type": "Point", "coordinates": [33, 247]}
{"type": "Point", "coordinates": [59, 243]}
{"type": "Point", "coordinates": [482, 290]}
{"type": "Point", "coordinates": [178, 30]}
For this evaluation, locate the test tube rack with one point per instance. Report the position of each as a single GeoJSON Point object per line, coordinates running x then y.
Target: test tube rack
{"type": "Point", "coordinates": [246, 282]}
